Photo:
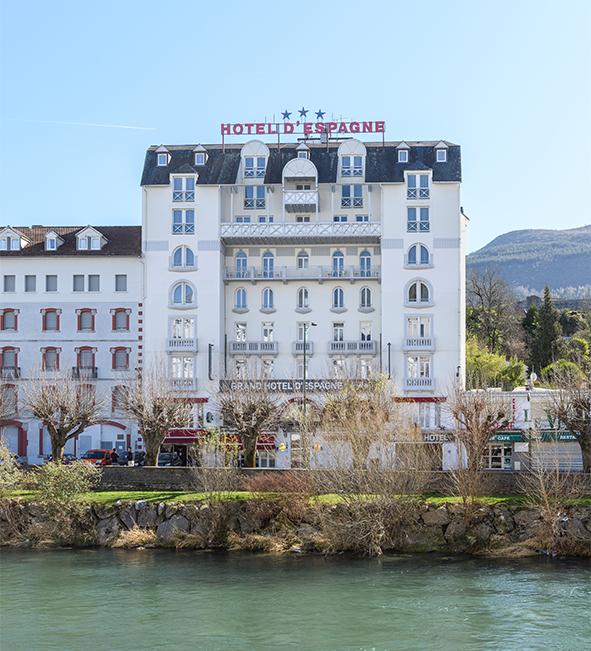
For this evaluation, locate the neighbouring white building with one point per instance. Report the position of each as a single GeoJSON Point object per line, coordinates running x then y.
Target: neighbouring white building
{"type": "Point", "coordinates": [70, 300]}
{"type": "Point", "coordinates": [245, 250]}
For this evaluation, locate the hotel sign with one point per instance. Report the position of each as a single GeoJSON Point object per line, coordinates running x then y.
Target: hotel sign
{"type": "Point", "coordinates": [307, 128]}
{"type": "Point", "coordinates": [288, 386]}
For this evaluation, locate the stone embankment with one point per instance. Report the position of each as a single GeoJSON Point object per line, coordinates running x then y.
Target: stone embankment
{"type": "Point", "coordinates": [269, 525]}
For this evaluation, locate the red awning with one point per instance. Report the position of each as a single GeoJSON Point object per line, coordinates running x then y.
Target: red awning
{"type": "Point", "coordinates": [185, 436]}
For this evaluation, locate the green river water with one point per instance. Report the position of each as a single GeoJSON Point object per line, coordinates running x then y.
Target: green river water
{"type": "Point", "coordinates": [156, 599]}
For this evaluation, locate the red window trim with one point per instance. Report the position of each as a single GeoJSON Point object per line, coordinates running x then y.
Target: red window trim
{"type": "Point", "coordinates": [114, 313]}
{"type": "Point", "coordinates": [57, 355]}
{"type": "Point", "coordinates": [50, 310]}
{"type": "Point", "coordinates": [85, 310]}
{"type": "Point", "coordinates": [85, 348]}
{"type": "Point", "coordinates": [9, 310]}
{"type": "Point", "coordinates": [7, 348]}
{"type": "Point", "coordinates": [116, 350]}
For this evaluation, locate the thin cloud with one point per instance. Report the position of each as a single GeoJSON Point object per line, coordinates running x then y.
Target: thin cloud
{"type": "Point", "coordinates": [94, 124]}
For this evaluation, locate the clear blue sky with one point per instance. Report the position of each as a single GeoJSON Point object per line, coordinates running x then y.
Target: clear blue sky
{"type": "Point", "coordinates": [509, 81]}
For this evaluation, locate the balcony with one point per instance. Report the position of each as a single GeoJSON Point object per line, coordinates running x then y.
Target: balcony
{"type": "Point", "coordinates": [308, 273]}
{"type": "Point", "coordinates": [84, 372]}
{"type": "Point", "coordinates": [352, 202]}
{"type": "Point", "coordinates": [10, 372]}
{"type": "Point", "coordinates": [417, 193]}
{"type": "Point", "coordinates": [419, 343]}
{"type": "Point", "coordinates": [352, 347]}
{"type": "Point", "coordinates": [182, 345]}
{"type": "Point", "coordinates": [184, 383]}
{"type": "Point", "coordinates": [254, 348]}
{"type": "Point", "coordinates": [300, 200]}
{"type": "Point", "coordinates": [297, 348]}
{"type": "Point", "coordinates": [419, 383]}
{"type": "Point", "coordinates": [294, 232]}
{"type": "Point", "coordinates": [179, 195]}
{"type": "Point", "coordinates": [417, 227]}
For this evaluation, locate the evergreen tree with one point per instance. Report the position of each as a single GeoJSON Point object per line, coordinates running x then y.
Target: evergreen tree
{"type": "Point", "coordinates": [529, 324]}
{"type": "Point", "coordinates": [547, 339]}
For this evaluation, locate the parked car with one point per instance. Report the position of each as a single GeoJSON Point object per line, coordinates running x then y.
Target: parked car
{"type": "Point", "coordinates": [69, 458]}
{"type": "Point", "coordinates": [169, 459]}
{"type": "Point", "coordinates": [97, 457]}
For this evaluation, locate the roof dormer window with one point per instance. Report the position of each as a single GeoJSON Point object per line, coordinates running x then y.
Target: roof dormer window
{"type": "Point", "coordinates": [254, 166]}
{"type": "Point", "coordinates": [352, 166]}
{"type": "Point", "coordinates": [162, 160]}
{"type": "Point", "coordinates": [403, 155]}
{"type": "Point", "coordinates": [89, 243]}
{"type": "Point", "coordinates": [200, 158]}
{"type": "Point", "coordinates": [303, 154]}
{"type": "Point", "coordinates": [441, 155]}
{"type": "Point", "coordinates": [51, 244]}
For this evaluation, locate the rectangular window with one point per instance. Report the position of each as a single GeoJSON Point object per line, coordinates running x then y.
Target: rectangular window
{"type": "Point", "coordinates": [95, 243]}
{"type": "Point", "coordinates": [441, 155]}
{"type": "Point", "coordinates": [242, 219]}
{"type": "Point", "coordinates": [418, 326]}
{"type": "Point", "coordinates": [9, 283]}
{"type": "Point", "coordinates": [94, 283]}
{"type": "Point", "coordinates": [241, 332]}
{"type": "Point", "coordinates": [352, 196]}
{"type": "Point", "coordinates": [78, 282]}
{"type": "Point", "coordinates": [51, 321]}
{"type": "Point", "coordinates": [82, 243]}
{"type": "Point", "coordinates": [267, 368]}
{"type": "Point", "coordinates": [120, 359]}
{"type": "Point", "coordinates": [240, 369]}
{"type": "Point", "coordinates": [361, 218]}
{"type": "Point", "coordinates": [302, 325]}
{"type": "Point", "coordinates": [254, 166]}
{"type": "Point", "coordinates": [200, 158]}
{"type": "Point", "coordinates": [418, 366]}
{"type": "Point", "coordinates": [162, 160]}
{"type": "Point", "coordinates": [30, 283]}
{"type": "Point", "coordinates": [183, 188]}
{"type": "Point", "coordinates": [51, 283]}
{"type": "Point", "coordinates": [403, 155]}
{"type": "Point", "coordinates": [417, 186]}
{"type": "Point", "coordinates": [267, 331]}
{"type": "Point", "coordinates": [338, 331]}
{"type": "Point", "coordinates": [120, 320]}
{"type": "Point", "coordinates": [303, 219]}
{"type": "Point", "coordinates": [265, 219]}
{"type": "Point", "coordinates": [120, 282]}
{"type": "Point", "coordinates": [352, 166]}
{"type": "Point", "coordinates": [254, 197]}
{"type": "Point", "coordinates": [339, 219]}
{"type": "Point", "coordinates": [183, 221]}
{"type": "Point", "coordinates": [183, 328]}
{"type": "Point", "coordinates": [50, 359]}
{"type": "Point", "coordinates": [51, 244]}
{"type": "Point", "coordinates": [182, 368]}
{"type": "Point", "coordinates": [365, 330]}
{"type": "Point", "coordinates": [417, 220]}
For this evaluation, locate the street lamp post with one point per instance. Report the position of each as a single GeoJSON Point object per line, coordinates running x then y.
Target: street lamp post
{"type": "Point", "coordinates": [306, 326]}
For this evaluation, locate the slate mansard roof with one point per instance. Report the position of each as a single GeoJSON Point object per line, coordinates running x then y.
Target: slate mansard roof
{"type": "Point", "coordinates": [120, 241]}
{"type": "Point", "coordinates": [382, 164]}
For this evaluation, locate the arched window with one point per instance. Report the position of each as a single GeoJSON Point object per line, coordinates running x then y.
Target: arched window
{"type": "Point", "coordinates": [365, 264]}
{"type": "Point", "coordinates": [418, 254]}
{"type": "Point", "coordinates": [338, 298]}
{"type": "Point", "coordinates": [268, 264]}
{"type": "Point", "coordinates": [303, 298]}
{"type": "Point", "coordinates": [183, 256]}
{"type": "Point", "coordinates": [338, 264]}
{"type": "Point", "coordinates": [365, 297]}
{"type": "Point", "coordinates": [419, 292]}
{"type": "Point", "coordinates": [268, 303]}
{"type": "Point", "coordinates": [303, 260]}
{"type": "Point", "coordinates": [240, 298]}
{"type": "Point", "coordinates": [241, 262]}
{"type": "Point", "coordinates": [183, 294]}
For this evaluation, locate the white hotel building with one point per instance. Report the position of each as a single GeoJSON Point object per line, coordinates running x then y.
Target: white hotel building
{"type": "Point", "coordinates": [245, 247]}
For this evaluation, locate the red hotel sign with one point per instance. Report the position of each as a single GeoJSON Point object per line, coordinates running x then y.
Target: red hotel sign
{"type": "Point", "coordinates": [308, 128]}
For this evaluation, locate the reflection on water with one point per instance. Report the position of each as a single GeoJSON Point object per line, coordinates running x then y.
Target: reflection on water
{"type": "Point", "coordinates": [155, 599]}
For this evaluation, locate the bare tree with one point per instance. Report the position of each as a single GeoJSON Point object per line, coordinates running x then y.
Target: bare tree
{"type": "Point", "coordinates": [570, 405]}
{"type": "Point", "coordinates": [248, 407]}
{"type": "Point", "coordinates": [358, 415]}
{"type": "Point", "coordinates": [64, 405]}
{"type": "Point", "coordinates": [152, 401]}
{"type": "Point", "coordinates": [477, 415]}
{"type": "Point", "coordinates": [7, 406]}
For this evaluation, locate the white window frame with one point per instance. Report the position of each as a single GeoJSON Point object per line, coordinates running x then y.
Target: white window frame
{"type": "Point", "coordinates": [441, 155]}
{"type": "Point", "coordinates": [403, 155]}
{"type": "Point", "coordinates": [200, 158]}
{"type": "Point", "coordinates": [183, 226]}
{"type": "Point", "coordinates": [161, 159]}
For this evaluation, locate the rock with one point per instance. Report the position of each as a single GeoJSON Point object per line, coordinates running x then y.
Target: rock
{"type": "Point", "coordinates": [424, 539]}
{"type": "Point", "coordinates": [104, 511]}
{"type": "Point", "coordinates": [167, 529]}
{"type": "Point", "coordinates": [526, 517]}
{"type": "Point", "coordinates": [503, 520]}
{"type": "Point", "coordinates": [128, 517]}
{"type": "Point", "coordinates": [295, 549]}
{"type": "Point", "coordinates": [456, 530]}
{"type": "Point", "coordinates": [438, 516]}
{"type": "Point", "coordinates": [147, 517]}
{"type": "Point", "coordinates": [482, 533]}
{"type": "Point", "coordinates": [161, 508]}
{"type": "Point", "coordinates": [140, 504]}
{"type": "Point", "coordinates": [107, 530]}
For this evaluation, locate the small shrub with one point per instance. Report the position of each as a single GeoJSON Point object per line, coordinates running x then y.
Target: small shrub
{"type": "Point", "coordinates": [280, 482]}
{"type": "Point", "coordinates": [58, 484]}
{"type": "Point", "coordinates": [135, 537]}
{"type": "Point", "coordinates": [10, 473]}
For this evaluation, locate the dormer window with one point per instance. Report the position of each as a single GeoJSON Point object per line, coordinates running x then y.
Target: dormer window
{"type": "Point", "coordinates": [162, 160]}
{"type": "Point", "coordinates": [200, 158]}
{"type": "Point", "coordinates": [403, 155]}
{"type": "Point", "coordinates": [9, 243]}
{"type": "Point", "coordinates": [254, 167]}
{"type": "Point", "coordinates": [302, 154]}
{"type": "Point", "coordinates": [352, 166]}
{"type": "Point", "coordinates": [51, 244]}
{"type": "Point", "coordinates": [441, 155]}
{"type": "Point", "coordinates": [89, 243]}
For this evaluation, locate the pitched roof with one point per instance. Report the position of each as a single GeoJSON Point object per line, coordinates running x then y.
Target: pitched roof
{"type": "Point", "coordinates": [382, 164]}
{"type": "Point", "coordinates": [121, 241]}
